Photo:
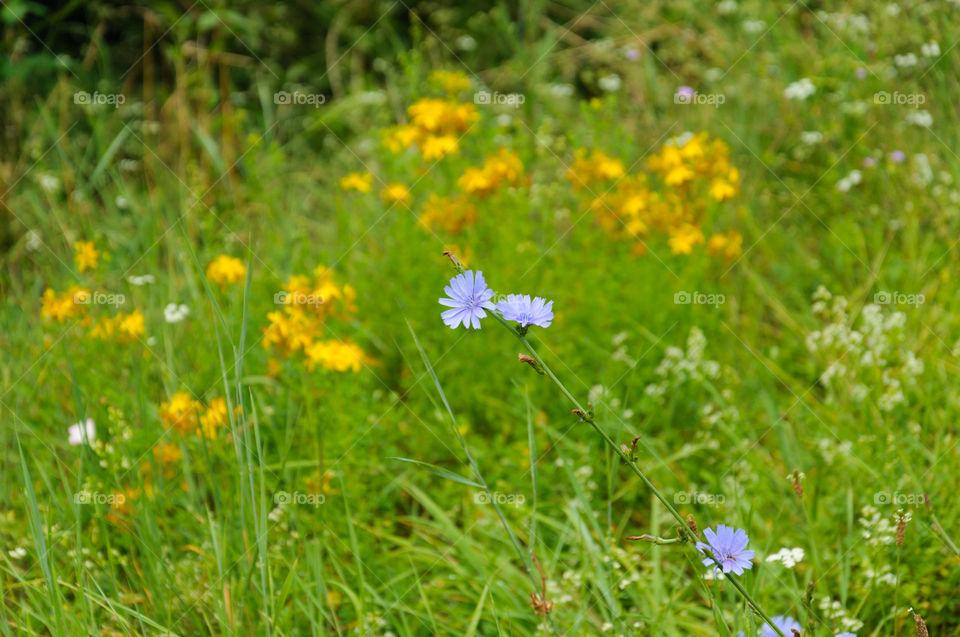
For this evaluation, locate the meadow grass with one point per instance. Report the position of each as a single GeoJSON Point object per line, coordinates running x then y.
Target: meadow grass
{"type": "Point", "coordinates": [325, 457]}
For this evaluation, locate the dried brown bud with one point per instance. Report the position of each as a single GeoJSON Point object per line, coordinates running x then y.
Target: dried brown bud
{"type": "Point", "coordinates": [692, 525]}
{"type": "Point", "coordinates": [921, 627]}
{"type": "Point", "coordinates": [532, 362]}
{"type": "Point", "coordinates": [795, 480]}
{"type": "Point", "coordinates": [578, 412]}
{"type": "Point", "coordinates": [453, 259]}
{"type": "Point", "coordinates": [902, 517]}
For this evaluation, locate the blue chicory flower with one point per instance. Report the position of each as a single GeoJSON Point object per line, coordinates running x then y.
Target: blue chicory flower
{"type": "Point", "coordinates": [526, 311]}
{"type": "Point", "coordinates": [469, 297]}
{"type": "Point", "coordinates": [729, 549]}
{"type": "Point", "coordinates": [786, 625]}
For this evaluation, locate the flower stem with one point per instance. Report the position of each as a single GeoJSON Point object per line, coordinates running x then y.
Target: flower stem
{"type": "Point", "coordinates": [588, 417]}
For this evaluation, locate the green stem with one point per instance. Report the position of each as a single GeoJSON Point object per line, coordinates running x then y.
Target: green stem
{"type": "Point", "coordinates": [587, 417]}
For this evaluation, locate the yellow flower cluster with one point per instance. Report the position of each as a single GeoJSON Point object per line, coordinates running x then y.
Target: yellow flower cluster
{"type": "Point", "coordinates": [395, 192]}
{"type": "Point", "coordinates": [72, 304]}
{"type": "Point", "coordinates": [692, 171]}
{"type": "Point", "coordinates": [124, 328]}
{"type": "Point", "coordinates": [450, 214]}
{"type": "Point", "coordinates": [361, 182]}
{"type": "Point", "coordinates": [225, 270]}
{"type": "Point", "coordinates": [435, 127]}
{"type": "Point", "coordinates": [187, 415]}
{"type": "Point", "coordinates": [85, 255]}
{"type": "Point", "coordinates": [68, 305]}
{"type": "Point", "coordinates": [696, 158]}
{"type": "Point", "coordinates": [502, 168]}
{"type": "Point", "coordinates": [307, 304]}
{"type": "Point", "coordinates": [590, 169]}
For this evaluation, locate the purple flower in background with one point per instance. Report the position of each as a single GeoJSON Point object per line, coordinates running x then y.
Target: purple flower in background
{"type": "Point", "coordinates": [729, 549]}
{"type": "Point", "coordinates": [786, 625]}
{"type": "Point", "coordinates": [861, 73]}
{"type": "Point", "coordinates": [525, 311]}
{"type": "Point", "coordinates": [469, 297]}
{"type": "Point", "coordinates": [685, 93]}
{"type": "Point", "coordinates": [897, 156]}
{"type": "Point", "coordinates": [869, 162]}
{"type": "Point", "coordinates": [632, 54]}
{"type": "Point", "coordinates": [845, 635]}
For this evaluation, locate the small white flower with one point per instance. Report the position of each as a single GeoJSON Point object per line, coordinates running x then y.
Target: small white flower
{"type": "Point", "coordinates": [727, 7]}
{"type": "Point", "coordinates": [49, 183]}
{"type": "Point", "coordinates": [174, 313]}
{"type": "Point", "coordinates": [17, 553]}
{"type": "Point", "coordinates": [34, 242]}
{"type": "Point", "coordinates": [905, 61]}
{"type": "Point", "coordinates": [466, 43]}
{"type": "Point", "coordinates": [811, 137]}
{"type": "Point", "coordinates": [610, 83]}
{"type": "Point", "coordinates": [140, 280]}
{"type": "Point", "coordinates": [754, 26]}
{"type": "Point", "coordinates": [800, 90]}
{"type": "Point", "coordinates": [787, 557]}
{"type": "Point", "coordinates": [930, 50]}
{"type": "Point", "coordinates": [920, 118]}
{"type": "Point", "coordinates": [80, 433]}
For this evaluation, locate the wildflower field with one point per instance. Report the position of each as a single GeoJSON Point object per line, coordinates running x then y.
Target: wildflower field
{"type": "Point", "coordinates": [401, 318]}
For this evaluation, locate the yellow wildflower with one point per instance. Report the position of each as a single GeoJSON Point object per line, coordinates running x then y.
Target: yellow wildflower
{"type": "Point", "coordinates": [728, 245]}
{"type": "Point", "coordinates": [180, 413]}
{"type": "Point", "coordinates": [684, 238]}
{"type": "Point", "coordinates": [125, 328]}
{"type": "Point", "coordinates": [437, 146]}
{"type": "Point", "coordinates": [399, 138]}
{"type": "Point", "coordinates": [212, 419]}
{"type": "Point", "coordinates": [225, 270]}
{"type": "Point", "coordinates": [361, 182]}
{"type": "Point", "coordinates": [396, 193]}
{"type": "Point", "coordinates": [70, 304]}
{"type": "Point", "coordinates": [451, 214]}
{"type": "Point", "coordinates": [502, 168]}
{"type": "Point", "coordinates": [335, 356]}
{"type": "Point", "coordinates": [722, 190]}
{"type": "Point", "coordinates": [589, 169]}
{"type": "Point", "coordinates": [85, 255]}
